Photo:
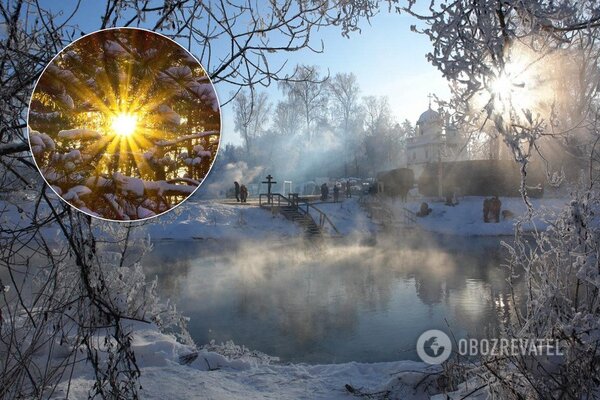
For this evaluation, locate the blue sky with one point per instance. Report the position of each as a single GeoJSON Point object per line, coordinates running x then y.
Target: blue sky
{"type": "Point", "coordinates": [387, 58]}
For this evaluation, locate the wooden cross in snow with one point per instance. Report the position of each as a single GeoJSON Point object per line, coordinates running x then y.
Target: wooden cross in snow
{"type": "Point", "coordinates": [269, 181]}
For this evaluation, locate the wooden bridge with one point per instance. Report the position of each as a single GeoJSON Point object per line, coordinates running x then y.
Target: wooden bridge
{"type": "Point", "coordinates": [299, 211]}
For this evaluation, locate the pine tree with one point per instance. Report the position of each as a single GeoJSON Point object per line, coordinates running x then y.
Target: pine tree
{"type": "Point", "coordinates": [124, 124]}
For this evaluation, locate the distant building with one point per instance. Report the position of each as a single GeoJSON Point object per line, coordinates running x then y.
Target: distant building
{"type": "Point", "coordinates": [435, 140]}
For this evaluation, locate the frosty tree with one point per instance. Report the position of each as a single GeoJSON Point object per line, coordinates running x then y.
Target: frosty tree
{"type": "Point", "coordinates": [308, 91]}
{"type": "Point", "coordinates": [251, 113]}
{"type": "Point", "coordinates": [523, 71]}
{"type": "Point", "coordinates": [528, 72]}
{"type": "Point", "coordinates": [345, 91]}
{"type": "Point", "coordinates": [125, 124]}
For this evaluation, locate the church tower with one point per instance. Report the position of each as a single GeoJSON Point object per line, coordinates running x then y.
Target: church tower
{"type": "Point", "coordinates": [435, 140]}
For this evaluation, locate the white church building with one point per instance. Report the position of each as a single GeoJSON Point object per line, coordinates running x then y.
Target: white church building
{"type": "Point", "coordinates": [435, 139]}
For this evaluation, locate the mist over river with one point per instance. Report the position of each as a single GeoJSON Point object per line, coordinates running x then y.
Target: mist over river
{"type": "Point", "coordinates": [335, 301]}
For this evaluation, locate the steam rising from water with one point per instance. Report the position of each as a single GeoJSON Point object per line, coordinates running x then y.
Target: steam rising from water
{"type": "Point", "coordinates": [337, 303]}
{"type": "Point", "coordinates": [220, 180]}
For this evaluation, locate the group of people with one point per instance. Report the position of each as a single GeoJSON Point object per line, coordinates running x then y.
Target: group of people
{"type": "Point", "coordinates": [336, 191]}
{"type": "Point", "coordinates": [241, 192]}
{"type": "Point", "coordinates": [491, 209]}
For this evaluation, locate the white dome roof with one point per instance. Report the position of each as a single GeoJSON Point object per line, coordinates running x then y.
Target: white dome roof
{"type": "Point", "coordinates": [429, 116]}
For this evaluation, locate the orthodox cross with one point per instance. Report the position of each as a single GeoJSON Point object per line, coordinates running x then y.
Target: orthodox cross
{"type": "Point", "coordinates": [269, 181]}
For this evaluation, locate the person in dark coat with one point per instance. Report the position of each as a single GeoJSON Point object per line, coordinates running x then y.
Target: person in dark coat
{"type": "Point", "coordinates": [486, 210]}
{"type": "Point", "coordinates": [243, 193]}
{"type": "Point", "coordinates": [324, 192]}
{"type": "Point", "coordinates": [495, 206]}
{"type": "Point", "coordinates": [348, 190]}
{"type": "Point", "coordinates": [336, 193]}
{"type": "Point", "coordinates": [237, 191]}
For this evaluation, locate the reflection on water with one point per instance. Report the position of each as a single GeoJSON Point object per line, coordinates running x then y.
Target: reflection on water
{"type": "Point", "coordinates": [335, 303]}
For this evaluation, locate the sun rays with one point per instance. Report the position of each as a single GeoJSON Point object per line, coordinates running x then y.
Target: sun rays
{"type": "Point", "coordinates": [516, 85]}
{"type": "Point", "coordinates": [124, 124]}
{"type": "Point", "coordinates": [128, 120]}
{"type": "Point", "coordinates": [131, 117]}
{"type": "Point", "coordinates": [525, 85]}
{"type": "Point", "coordinates": [126, 106]}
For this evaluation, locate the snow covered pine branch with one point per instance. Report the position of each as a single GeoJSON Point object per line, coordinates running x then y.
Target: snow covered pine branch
{"type": "Point", "coordinates": [104, 130]}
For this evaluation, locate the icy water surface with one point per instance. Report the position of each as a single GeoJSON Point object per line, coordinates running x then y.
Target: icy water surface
{"type": "Point", "coordinates": [338, 302]}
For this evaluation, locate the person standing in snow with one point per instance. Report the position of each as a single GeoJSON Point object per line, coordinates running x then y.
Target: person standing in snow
{"type": "Point", "coordinates": [324, 192]}
{"type": "Point", "coordinates": [244, 193]}
{"type": "Point", "coordinates": [348, 190]}
{"type": "Point", "coordinates": [486, 209]}
{"type": "Point", "coordinates": [336, 193]}
{"type": "Point", "coordinates": [495, 206]}
{"type": "Point", "coordinates": [237, 191]}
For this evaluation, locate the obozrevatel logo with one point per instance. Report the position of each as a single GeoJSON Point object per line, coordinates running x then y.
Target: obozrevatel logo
{"type": "Point", "coordinates": [434, 346]}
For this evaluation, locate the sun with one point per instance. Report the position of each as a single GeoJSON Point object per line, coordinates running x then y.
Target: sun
{"type": "Point", "coordinates": [502, 86]}
{"type": "Point", "coordinates": [124, 124]}
{"type": "Point", "coordinates": [519, 84]}
{"type": "Point", "coordinates": [514, 91]}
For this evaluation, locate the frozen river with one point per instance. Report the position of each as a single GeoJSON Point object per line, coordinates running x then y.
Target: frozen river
{"type": "Point", "coordinates": [336, 303]}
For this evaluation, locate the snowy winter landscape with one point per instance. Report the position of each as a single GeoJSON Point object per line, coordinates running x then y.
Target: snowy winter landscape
{"type": "Point", "coordinates": [227, 370]}
{"type": "Point", "coordinates": [387, 200]}
{"type": "Point", "coordinates": [277, 269]}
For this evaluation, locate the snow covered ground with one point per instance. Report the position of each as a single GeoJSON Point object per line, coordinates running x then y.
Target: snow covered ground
{"type": "Point", "coordinates": [214, 219]}
{"type": "Point", "coordinates": [246, 375]}
{"type": "Point", "coordinates": [466, 218]}
{"type": "Point", "coordinates": [206, 219]}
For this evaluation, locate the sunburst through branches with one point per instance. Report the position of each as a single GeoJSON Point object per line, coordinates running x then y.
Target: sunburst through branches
{"type": "Point", "coordinates": [124, 124]}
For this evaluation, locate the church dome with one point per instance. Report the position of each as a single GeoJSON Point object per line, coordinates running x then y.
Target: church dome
{"type": "Point", "coordinates": [429, 117]}
{"type": "Point", "coordinates": [430, 123]}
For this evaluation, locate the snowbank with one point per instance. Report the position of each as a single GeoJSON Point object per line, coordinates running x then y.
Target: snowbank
{"type": "Point", "coordinates": [213, 376]}
{"type": "Point", "coordinates": [206, 219]}
{"type": "Point", "coordinates": [279, 382]}
{"type": "Point", "coordinates": [214, 220]}
{"type": "Point", "coordinates": [466, 218]}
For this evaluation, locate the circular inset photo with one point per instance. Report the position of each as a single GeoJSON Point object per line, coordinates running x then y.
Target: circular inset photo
{"type": "Point", "coordinates": [124, 124]}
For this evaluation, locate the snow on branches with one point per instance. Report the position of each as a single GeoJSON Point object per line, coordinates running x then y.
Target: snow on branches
{"type": "Point", "coordinates": [123, 125]}
{"type": "Point", "coordinates": [525, 71]}
{"type": "Point", "coordinates": [528, 71]}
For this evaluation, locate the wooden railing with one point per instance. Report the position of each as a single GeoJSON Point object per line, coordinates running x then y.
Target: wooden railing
{"type": "Point", "coordinates": [381, 211]}
{"type": "Point", "coordinates": [302, 206]}
{"type": "Point", "coordinates": [409, 217]}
